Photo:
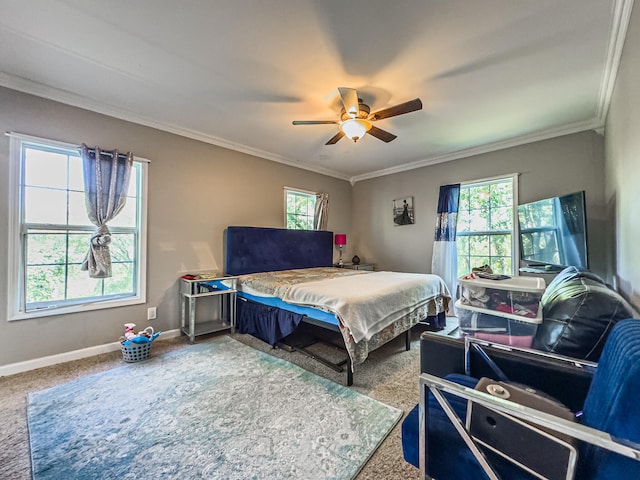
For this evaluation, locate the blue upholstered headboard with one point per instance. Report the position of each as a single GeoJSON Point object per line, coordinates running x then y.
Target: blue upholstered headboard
{"type": "Point", "coordinates": [258, 249]}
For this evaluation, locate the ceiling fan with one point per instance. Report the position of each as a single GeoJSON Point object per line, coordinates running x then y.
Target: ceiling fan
{"type": "Point", "coordinates": [356, 119]}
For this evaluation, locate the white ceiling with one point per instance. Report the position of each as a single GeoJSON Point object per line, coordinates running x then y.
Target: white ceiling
{"type": "Point", "coordinates": [235, 73]}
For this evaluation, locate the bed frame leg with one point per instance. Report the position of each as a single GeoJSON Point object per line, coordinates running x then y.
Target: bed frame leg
{"type": "Point", "coordinates": [349, 372]}
{"type": "Point", "coordinates": [407, 340]}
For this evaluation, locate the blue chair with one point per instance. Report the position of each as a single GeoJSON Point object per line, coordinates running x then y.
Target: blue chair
{"type": "Point", "coordinates": [606, 436]}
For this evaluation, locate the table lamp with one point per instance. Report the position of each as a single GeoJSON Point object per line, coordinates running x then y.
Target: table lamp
{"type": "Point", "coordinates": [340, 240]}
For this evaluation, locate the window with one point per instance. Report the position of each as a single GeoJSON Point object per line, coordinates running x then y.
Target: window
{"type": "Point", "coordinates": [300, 209]}
{"type": "Point", "coordinates": [485, 231]}
{"type": "Point", "coordinates": [50, 232]}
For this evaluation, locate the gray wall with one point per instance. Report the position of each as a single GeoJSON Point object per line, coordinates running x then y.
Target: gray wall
{"type": "Point", "coordinates": [195, 191]}
{"type": "Point", "coordinates": [547, 168]}
{"type": "Point", "coordinates": [622, 166]}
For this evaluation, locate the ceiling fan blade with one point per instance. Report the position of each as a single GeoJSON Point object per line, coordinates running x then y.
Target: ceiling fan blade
{"type": "Point", "coordinates": [349, 100]}
{"type": "Point", "coordinates": [406, 107]}
{"type": "Point", "coordinates": [315, 122]}
{"type": "Point", "coordinates": [381, 134]}
{"type": "Point", "coordinates": [333, 140]}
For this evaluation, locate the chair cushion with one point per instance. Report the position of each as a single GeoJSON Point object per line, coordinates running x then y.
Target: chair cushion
{"type": "Point", "coordinates": [612, 404]}
{"type": "Point", "coordinates": [410, 425]}
{"type": "Point", "coordinates": [449, 457]}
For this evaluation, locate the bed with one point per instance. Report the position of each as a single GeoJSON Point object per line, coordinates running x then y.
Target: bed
{"type": "Point", "coordinates": [286, 278]}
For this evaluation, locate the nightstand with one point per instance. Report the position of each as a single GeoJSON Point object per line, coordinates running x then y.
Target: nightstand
{"type": "Point", "coordinates": [359, 266]}
{"type": "Point", "coordinates": [201, 285]}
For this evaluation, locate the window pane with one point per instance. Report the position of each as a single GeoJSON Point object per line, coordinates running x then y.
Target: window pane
{"type": "Point", "coordinates": [127, 216]}
{"type": "Point", "coordinates": [501, 265]}
{"type": "Point", "coordinates": [478, 261]}
{"type": "Point", "coordinates": [122, 280]}
{"type": "Point", "coordinates": [45, 283]}
{"type": "Point", "coordinates": [133, 181]}
{"type": "Point", "coordinates": [80, 285]}
{"type": "Point", "coordinates": [78, 209]}
{"type": "Point", "coordinates": [480, 197]}
{"type": "Point", "coordinates": [479, 245]}
{"type": "Point", "coordinates": [501, 245]}
{"type": "Point", "coordinates": [464, 267]}
{"type": "Point", "coordinates": [122, 247]}
{"type": "Point", "coordinates": [479, 220]}
{"type": "Point", "coordinates": [463, 204]}
{"type": "Point", "coordinates": [501, 218]}
{"type": "Point", "coordinates": [45, 206]}
{"type": "Point", "coordinates": [462, 244]}
{"type": "Point", "coordinates": [78, 247]}
{"type": "Point", "coordinates": [45, 169]}
{"type": "Point", "coordinates": [76, 175]}
{"type": "Point", "coordinates": [502, 194]}
{"type": "Point", "coordinates": [46, 248]}
{"type": "Point", "coordinates": [464, 221]}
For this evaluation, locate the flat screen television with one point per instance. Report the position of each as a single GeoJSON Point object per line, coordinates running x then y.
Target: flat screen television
{"type": "Point", "coordinates": [553, 232]}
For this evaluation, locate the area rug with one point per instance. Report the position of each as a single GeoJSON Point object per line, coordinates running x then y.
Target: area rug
{"type": "Point", "coordinates": [215, 410]}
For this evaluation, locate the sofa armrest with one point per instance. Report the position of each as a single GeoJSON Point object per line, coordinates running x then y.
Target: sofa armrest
{"type": "Point", "coordinates": [566, 381]}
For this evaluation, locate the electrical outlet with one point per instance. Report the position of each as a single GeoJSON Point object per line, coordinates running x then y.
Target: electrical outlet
{"type": "Point", "coordinates": [151, 313]}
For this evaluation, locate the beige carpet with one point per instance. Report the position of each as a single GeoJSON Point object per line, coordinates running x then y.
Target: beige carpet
{"type": "Point", "coordinates": [389, 375]}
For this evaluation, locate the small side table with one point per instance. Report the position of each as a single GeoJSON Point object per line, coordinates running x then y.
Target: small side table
{"type": "Point", "coordinates": [207, 285]}
{"type": "Point", "coordinates": [359, 266]}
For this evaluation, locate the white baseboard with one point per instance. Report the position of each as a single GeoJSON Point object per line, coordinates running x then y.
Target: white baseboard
{"type": "Point", "coordinates": [27, 365]}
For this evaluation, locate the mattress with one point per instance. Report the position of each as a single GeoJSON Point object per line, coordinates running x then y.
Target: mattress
{"type": "Point", "coordinates": [370, 308]}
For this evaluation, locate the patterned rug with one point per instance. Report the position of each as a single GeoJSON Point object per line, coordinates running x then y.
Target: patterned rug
{"type": "Point", "coordinates": [208, 411]}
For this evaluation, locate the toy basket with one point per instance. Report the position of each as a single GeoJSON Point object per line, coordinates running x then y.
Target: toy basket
{"type": "Point", "coordinates": [134, 352]}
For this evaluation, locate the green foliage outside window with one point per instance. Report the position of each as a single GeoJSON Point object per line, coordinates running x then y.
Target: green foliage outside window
{"type": "Point", "coordinates": [56, 233]}
{"type": "Point", "coordinates": [485, 227]}
{"type": "Point", "coordinates": [300, 210]}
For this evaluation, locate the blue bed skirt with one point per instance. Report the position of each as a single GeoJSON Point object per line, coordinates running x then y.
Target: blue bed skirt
{"type": "Point", "coordinates": [270, 319]}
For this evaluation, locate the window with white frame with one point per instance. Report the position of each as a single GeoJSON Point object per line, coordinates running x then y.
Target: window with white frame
{"type": "Point", "coordinates": [50, 233]}
{"type": "Point", "coordinates": [300, 209]}
{"type": "Point", "coordinates": [485, 229]}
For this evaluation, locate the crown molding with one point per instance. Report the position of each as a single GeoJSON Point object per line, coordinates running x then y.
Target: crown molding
{"type": "Point", "coordinates": [593, 124]}
{"type": "Point", "coordinates": [40, 90]}
{"type": "Point", "coordinates": [619, 24]}
{"type": "Point", "coordinates": [73, 99]}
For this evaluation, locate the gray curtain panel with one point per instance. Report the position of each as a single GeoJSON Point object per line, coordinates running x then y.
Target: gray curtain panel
{"type": "Point", "coordinates": [106, 180]}
{"type": "Point", "coordinates": [321, 214]}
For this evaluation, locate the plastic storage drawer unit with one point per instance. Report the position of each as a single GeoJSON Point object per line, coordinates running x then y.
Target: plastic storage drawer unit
{"type": "Point", "coordinates": [519, 297]}
{"type": "Point", "coordinates": [497, 327]}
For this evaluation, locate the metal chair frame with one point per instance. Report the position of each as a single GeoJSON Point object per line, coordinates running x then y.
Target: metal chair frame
{"type": "Point", "coordinates": [529, 417]}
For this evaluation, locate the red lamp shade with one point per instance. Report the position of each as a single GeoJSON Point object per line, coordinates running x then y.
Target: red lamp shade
{"type": "Point", "coordinates": [341, 239]}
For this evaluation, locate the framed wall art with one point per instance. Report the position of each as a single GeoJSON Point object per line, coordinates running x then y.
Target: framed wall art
{"type": "Point", "coordinates": [403, 211]}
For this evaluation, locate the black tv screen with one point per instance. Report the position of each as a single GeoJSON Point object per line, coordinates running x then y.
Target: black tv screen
{"type": "Point", "coordinates": [554, 232]}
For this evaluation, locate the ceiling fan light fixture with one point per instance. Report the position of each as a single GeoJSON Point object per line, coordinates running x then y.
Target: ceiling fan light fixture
{"type": "Point", "coordinates": [355, 128]}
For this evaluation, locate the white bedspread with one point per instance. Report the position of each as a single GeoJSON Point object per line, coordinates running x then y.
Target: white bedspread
{"type": "Point", "coordinates": [366, 304]}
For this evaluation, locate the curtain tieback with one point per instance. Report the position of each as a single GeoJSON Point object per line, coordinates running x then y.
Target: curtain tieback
{"type": "Point", "coordinates": [101, 237]}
